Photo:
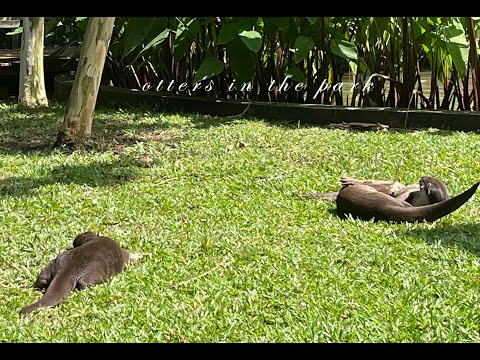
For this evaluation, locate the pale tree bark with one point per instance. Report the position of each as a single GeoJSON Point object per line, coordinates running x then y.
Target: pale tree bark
{"type": "Point", "coordinates": [32, 91]}
{"type": "Point", "coordinates": [77, 124]}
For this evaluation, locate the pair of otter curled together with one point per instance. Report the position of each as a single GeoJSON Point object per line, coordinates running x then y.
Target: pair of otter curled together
{"type": "Point", "coordinates": [428, 200]}
{"type": "Point", "coordinates": [92, 260]}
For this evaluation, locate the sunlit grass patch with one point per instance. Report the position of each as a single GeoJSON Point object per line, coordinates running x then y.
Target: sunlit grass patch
{"type": "Point", "coordinates": [234, 253]}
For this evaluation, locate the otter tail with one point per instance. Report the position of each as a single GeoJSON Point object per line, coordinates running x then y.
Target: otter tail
{"type": "Point", "coordinates": [58, 289]}
{"type": "Point", "coordinates": [428, 213]}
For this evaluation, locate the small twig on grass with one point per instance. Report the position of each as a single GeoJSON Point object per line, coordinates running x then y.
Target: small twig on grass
{"type": "Point", "coordinates": [241, 114]}
{"type": "Point", "coordinates": [223, 264]}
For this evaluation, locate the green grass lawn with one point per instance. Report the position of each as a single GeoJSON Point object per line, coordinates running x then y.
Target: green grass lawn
{"type": "Point", "coordinates": [234, 254]}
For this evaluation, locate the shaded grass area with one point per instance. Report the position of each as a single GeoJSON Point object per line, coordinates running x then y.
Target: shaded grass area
{"type": "Point", "coordinates": [233, 252]}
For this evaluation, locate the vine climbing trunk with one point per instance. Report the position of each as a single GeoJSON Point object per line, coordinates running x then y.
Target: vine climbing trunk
{"type": "Point", "coordinates": [77, 124]}
{"type": "Point", "coordinates": [32, 92]}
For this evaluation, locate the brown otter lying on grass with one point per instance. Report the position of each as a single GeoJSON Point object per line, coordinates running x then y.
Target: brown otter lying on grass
{"type": "Point", "coordinates": [365, 202]}
{"type": "Point", "coordinates": [428, 190]}
{"type": "Point", "coordinates": [392, 201]}
{"type": "Point", "coordinates": [92, 260]}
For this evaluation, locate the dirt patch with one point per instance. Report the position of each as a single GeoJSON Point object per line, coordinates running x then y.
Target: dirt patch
{"type": "Point", "coordinates": [116, 143]}
{"type": "Point", "coordinates": [123, 140]}
{"type": "Point", "coordinates": [160, 136]}
{"type": "Point", "coordinates": [26, 144]}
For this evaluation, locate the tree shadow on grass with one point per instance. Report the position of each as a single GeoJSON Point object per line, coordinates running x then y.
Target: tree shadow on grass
{"type": "Point", "coordinates": [207, 121]}
{"type": "Point", "coordinates": [291, 124]}
{"type": "Point", "coordinates": [462, 236]}
{"type": "Point", "coordinates": [96, 174]}
{"type": "Point", "coordinates": [36, 130]}
{"type": "Point", "coordinates": [274, 114]}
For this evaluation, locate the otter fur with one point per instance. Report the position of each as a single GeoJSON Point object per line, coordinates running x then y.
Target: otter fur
{"type": "Point", "coordinates": [428, 190]}
{"type": "Point", "coordinates": [92, 260]}
{"type": "Point", "coordinates": [365, 202]}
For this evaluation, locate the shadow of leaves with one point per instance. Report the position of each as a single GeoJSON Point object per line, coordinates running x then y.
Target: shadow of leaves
{"type": "Point", "coordinates": [463, 236]}
{"type": "Point", "coordinates": [95, 174]}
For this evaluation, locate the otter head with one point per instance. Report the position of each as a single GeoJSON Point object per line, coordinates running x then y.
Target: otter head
{"type": "Point", "coordinates": [83, 238]}
{"type": "Point", "coordinates": [435, 189]}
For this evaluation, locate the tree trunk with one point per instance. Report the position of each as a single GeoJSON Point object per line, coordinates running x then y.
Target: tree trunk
{"type": "Point", "coordinates": [32, 80]}
{"type": "Point", "coordinates": [77, 124]}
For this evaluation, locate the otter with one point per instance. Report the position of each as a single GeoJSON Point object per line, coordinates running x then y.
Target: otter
{"type": "Point", "coordinates": [92, 260]}
{"type": "Point", "coordinates": [428, 190]}
{"type": "Point", "coordinates": [431, 191]}
{"type": "Point", "coordinates": [365, 202]}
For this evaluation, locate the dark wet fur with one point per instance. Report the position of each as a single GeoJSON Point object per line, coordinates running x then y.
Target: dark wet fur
{"type": "Point", "coordinates": [428, 191]}
{"type": "Point", "coordinates": [92, 260]}
{"type": "Point", "coordinates": [364, 202]}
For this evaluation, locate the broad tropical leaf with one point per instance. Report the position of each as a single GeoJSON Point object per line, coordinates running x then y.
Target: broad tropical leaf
{"type": "Point", "coordinates": [185, 35]}
{"type": "Point", "coordinates": [457, 46]}
{"type": "Point", "coordinates": [252, 39]}
{"type": "Point", "coordinates": [241, 61]}
{"type": "Point", "coordinates": [135, 32]}
{"type": "Point", "coordinates": [155, 41]}
{"type": "Point", "coordinates": [303, 45]}
{"type": "Point", "coordinates": [230, 30]}
{"type": "Point", "coordinates": [211, 66]}
{"type": "Point", "coordinates": [296, 74]}
{"type": "Point", "coordinates": [344, 49]}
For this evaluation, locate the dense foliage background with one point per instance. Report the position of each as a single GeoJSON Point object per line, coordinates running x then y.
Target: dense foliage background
{"type": "Point", "coordinates": [416, 62]}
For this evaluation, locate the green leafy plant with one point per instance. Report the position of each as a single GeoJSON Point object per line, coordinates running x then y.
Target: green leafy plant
{"type": "Point", "coordinates": [251, 57]}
